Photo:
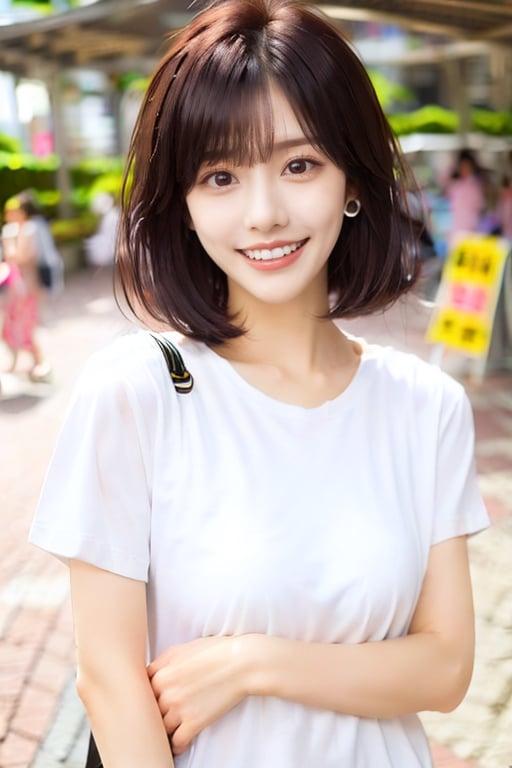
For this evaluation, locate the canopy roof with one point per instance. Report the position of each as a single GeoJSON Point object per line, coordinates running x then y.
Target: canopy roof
{"type": "Point", "coordinates": [481, 20]}
{"type": "Point", "coordinates": [122, 35]}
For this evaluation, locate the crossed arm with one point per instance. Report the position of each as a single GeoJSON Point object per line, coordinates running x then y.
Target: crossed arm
{"type": "Point", "coordinates": [22, 250]}
{"type": "Point", "coordinates": [192, 685]}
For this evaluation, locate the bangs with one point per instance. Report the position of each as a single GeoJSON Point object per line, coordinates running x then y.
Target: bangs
{"type": "Point", "coordinates": [247, 137]}
{"type": "Point", "coordinates": [226, 112]}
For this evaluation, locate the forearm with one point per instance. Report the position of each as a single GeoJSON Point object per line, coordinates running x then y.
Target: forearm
{"type": "Point", "coordinates": [24, 254]}
{"type": "Point", "coordinates": [110, 619]}
{"type": "Point", "coordinates": [378, 679]}
{"type": "Point", "coordinates": [125, 719]}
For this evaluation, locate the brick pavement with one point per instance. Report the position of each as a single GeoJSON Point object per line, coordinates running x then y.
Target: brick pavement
{"type": "Point", "coordinates": [42, 724]}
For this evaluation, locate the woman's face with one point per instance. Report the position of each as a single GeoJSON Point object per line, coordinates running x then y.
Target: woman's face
{"type": "Point", "coordinates": [466, 168]}
{"type": "Point", "coordinates": [13, 215]}
{"type": "Point", "coordinates": [271, 227]}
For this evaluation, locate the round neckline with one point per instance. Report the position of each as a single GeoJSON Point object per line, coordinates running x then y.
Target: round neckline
{"type": "Point", "coordinates": [326, 407]}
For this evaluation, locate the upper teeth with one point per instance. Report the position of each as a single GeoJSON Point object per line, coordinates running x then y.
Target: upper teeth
{"type": "Point", "coordinates": [274, 253]}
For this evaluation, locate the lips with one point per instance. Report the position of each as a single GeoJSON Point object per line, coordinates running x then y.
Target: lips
{"type": "Point", "coordinates": [273, 254]}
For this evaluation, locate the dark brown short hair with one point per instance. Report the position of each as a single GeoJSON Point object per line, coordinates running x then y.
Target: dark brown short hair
{"type": "Point", "coordinates": [209, 98]}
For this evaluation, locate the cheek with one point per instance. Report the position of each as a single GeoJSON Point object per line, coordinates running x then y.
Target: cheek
{"type": "Point", "coordinates": [207, 218]}
{"type": "Point", "coordinates": [324, 204]}
{"type": "Point", "coordinates": [213, 230]}
{"type": "Point", "coordinates": [325, 212]}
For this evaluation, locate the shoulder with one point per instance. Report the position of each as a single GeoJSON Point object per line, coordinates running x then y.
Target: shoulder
{"type": "Point", "coordinates": [29, 228]}
{"type": "Point", "coordinates": [131, 363]}
{"type": "Point", "coordinates": [135, 362]}
{"type": "Point", "coordinates": [407, 379]}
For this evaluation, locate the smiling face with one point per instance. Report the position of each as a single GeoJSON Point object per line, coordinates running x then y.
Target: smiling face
{"type": "Point", "coordinates": [271, 226]}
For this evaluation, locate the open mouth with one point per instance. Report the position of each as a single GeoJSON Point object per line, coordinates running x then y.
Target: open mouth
{"type": "Point", "coordinates": [274, 253]}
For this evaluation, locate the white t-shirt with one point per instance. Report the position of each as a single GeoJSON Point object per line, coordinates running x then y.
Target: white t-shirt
{"type": "Point", "coordinates": [246, 514]}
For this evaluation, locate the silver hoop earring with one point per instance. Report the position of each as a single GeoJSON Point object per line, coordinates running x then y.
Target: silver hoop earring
{"type": "Point", "coordinates": [352, 208]}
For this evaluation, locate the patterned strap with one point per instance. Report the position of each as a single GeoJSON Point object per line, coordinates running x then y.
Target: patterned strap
{"type": "Point", "coordinates": [181, 378]}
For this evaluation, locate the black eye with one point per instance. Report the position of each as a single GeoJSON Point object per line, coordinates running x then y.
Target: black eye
{"type": "Point", "coordinates": [298, 166]}
{"type": "Point", "coordinates": [220, 179]}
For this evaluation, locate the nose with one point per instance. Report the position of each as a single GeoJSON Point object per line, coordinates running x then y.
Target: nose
{"type": "Point", "coordinates": [265, 204]}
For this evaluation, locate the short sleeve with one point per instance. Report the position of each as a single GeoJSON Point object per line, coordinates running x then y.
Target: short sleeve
{"type": "Point", "coordinates": [95, 503]}
{"type": "Point", "coordinates": [459, 507]}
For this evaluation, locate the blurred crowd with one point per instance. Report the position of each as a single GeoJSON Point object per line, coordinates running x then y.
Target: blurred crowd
{"type": "Point", "coordinates": [477, 203]}
{"type": "Point", "coordinates": [465, 197]}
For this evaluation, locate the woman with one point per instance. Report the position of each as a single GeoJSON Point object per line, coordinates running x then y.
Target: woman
{"type": "Point", "coordinates": [23, 292]}
{"type": "Point", "coordinates": [300, 578]}
{"type": "Point", "coordinates": [465, 193]}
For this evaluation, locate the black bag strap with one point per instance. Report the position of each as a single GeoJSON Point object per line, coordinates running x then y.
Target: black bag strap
{"type": "Point", "coordinates": [181, 378]}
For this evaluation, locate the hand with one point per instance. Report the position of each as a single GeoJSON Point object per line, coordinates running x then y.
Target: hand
{"type": "Point", "coordinates": [198, 682]}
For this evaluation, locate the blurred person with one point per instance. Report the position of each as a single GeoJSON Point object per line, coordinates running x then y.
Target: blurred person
{"type": "Point", "coordinates": [21, 303]}
{"type": "Point", "coordinates": [268, 538]}
{"type": "Point", "coordinates": [417, 216]}
{"type": "Point", "coordinates": [465, 192]}
{"type": "Point", "coordinates": [504, 207]}
{"type": "Point", "coordinates": [100, 248]}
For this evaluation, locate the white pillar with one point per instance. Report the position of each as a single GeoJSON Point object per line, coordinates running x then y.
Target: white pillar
{"type": "Point", "coordinates": [63, 175]}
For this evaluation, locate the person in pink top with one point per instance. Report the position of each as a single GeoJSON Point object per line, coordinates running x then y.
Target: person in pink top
{"type": "Point", "coordinates": [23, 289]}
{"type": "Point", "coordinates": [466, 195]}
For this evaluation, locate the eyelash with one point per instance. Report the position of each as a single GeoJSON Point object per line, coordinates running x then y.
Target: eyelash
{"type": "Point", "coordinates": [304, 159]}
{"type": "Point", "coordinates": [314, 162]}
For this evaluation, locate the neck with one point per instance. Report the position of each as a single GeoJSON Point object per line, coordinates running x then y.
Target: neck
{"type": "Point", "coordinates": [293, 356]}
{"type": "Point", "coordinates": [293, 336]}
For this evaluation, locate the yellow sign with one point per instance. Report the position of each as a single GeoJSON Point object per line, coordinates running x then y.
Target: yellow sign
{"type": "Point", "coordinates": [468, 294]}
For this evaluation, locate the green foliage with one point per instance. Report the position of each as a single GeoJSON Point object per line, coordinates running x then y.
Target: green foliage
{"type": "Point", "coordinates": [19, 171]}
{"type": "Point", "coordinates": [133, 81]}
{"type": "Point", "coordinates": [108, 182]}
{"type": "Point", "coordinates": [41, 6]}
{"type": "Point", "coordinates": [491, 123]}
{"type": "Point", "coordinates": [429, 119]}
{"type": "Point", "coordinates": [389, 92]}
{"type": "Point", "coordinates": [48, 200]}
{"type": "Point", "coordinates": [8, 144]}
{"type": "Point", "coordinates": [75, 229]}
{"type": "Point", "coordinates": [85, 173]}
{"type": "Point", "coordinates": [434, 119]}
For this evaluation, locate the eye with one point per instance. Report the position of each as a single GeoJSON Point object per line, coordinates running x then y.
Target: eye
{"type": "Point", "coordinates": [220, 179]}
{"type": "Point", "coordinates": [300, 166]}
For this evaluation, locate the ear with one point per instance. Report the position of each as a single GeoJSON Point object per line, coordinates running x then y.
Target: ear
{"type": "Point", "coordinates": [351, 192]}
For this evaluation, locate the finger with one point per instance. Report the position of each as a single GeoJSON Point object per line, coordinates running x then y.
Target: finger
{"type": "Point", "coordinates": [161, 661]}
{"type": "Point", "coordinates": [155, 681]}
{"type": "Point", "coordinates": [155, 666]}
{"type": "Point", "coordinates": [161, 681]}
{"type": "Point", "coordinates": [181, 740]}
{"type": "Point", "coordinates": [171, 721]}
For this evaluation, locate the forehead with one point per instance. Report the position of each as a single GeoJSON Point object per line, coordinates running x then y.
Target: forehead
{"type": "Point", "coordinates": [286, 126]}
{"type": "Point", "coordinates": [251, 134]}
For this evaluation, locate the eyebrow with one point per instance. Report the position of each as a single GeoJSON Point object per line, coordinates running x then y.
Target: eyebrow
{"type": "Point", "coordinates": [301, 141]}
{"type": "Point", "coordinates": [290, 143]}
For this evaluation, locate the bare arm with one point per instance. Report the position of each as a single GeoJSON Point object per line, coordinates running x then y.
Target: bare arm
{"type": "Point", "coordinates": [24, 253]}
{"type": "Point", "coordinates": [109, 615]}
{"type": "Point", "coordinates": [429, 669]}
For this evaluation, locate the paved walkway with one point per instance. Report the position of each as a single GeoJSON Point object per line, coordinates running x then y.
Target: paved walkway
{"type": "Point", "coordinates": [41, 721]}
